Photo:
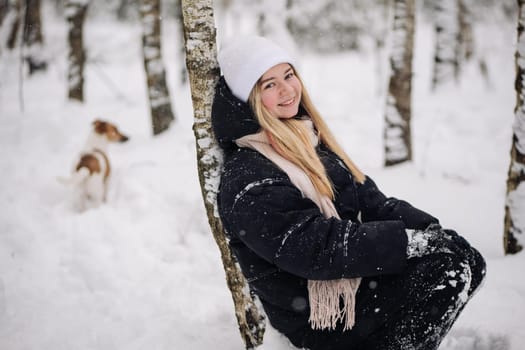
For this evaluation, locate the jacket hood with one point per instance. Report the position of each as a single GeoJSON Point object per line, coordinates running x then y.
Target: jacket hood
{"type": "Point", "coordinates": [231, 118]}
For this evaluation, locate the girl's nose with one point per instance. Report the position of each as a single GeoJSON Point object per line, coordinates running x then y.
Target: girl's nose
{"type": "Point", "coordinates": [285, 88]}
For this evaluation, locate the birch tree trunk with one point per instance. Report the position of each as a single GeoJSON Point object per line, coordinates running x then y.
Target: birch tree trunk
{"type": "Point", "coordinates": [397, 134]}
{"type": "Point", "coordinates": [203, 73]}
{"type": "Point", "coordinates": [4, 8]}
{"type": "Point", "coordinates": [75, 15]}
{"type": "Point", "coordinates": [180, 35]}
{"type": "Point", "coordinates": [447, 50]}
{"type": "Point", "coordinates": [32, 23]}
{"type": "Point", "coordinates": [514, 228]}
{"type": "Point", "coordinates": [16, 9]}
{"type": "Point", "coordinates": [466, 35]}
{"type": "Point", "coordinates": [158, 93]}
{"type": "Point", "coordinates": [33, 38]}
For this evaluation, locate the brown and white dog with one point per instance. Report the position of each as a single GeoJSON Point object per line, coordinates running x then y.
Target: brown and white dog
{"type": "Point", "coordinates": [91, 172]}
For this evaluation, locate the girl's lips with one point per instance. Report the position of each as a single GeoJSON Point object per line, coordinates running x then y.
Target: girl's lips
{"type": "Point", "coordinates": [287, 102]}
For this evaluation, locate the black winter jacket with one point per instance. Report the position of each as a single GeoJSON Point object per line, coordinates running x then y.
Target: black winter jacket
{"type": "Point", "coordinates": [282, 239]}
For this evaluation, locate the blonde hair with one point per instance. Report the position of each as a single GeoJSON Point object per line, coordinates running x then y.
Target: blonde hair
{"type": "Point", "coordinates": [291, 139]}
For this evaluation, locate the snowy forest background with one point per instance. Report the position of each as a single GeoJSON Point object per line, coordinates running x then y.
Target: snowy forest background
{"type": "Point", "coordinates": [142, 271]}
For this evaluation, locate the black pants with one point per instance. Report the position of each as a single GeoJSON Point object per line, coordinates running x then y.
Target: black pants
{"type": "Point", "coordinates": [409, 311]}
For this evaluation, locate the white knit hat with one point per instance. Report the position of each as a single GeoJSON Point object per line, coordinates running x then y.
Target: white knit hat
{"type": "Point", "coordinates": [245, 60]}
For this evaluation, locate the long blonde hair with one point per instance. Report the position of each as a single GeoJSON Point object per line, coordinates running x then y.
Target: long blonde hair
{"type": "Point", "coordinates": [291, 139]}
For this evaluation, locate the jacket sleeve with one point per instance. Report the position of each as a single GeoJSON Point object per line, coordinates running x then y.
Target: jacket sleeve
{"type": "Point", "coordinates": [375, 206]}
{"type": "Point", "coordinates": [282, 227]}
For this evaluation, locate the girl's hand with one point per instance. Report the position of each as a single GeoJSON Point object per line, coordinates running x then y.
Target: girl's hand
{"type": "Point", "coordinates": [434, 239]}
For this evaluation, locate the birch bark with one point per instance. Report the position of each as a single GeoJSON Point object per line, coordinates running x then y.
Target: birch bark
{"type": "Point", "coordinates": [75, 12]}
{"type": "Point", "coordinates": [514, 225]}
{"type": "Point", "coordinates": [397, 134]}
{"type": "Point", "coordinates": [158, 93]}
{"type": "Point", "coordinates": [466, 32]}
{"type": "Point", "coordinates": [33, 37]}
{"type": "Point", "coordinates": [448, 49]}
{"type": "Point", "coordinates": [15, 7]}
{"type": "Point", "coordinates": [32, 23]}
{"type": "Point", "coordinates": [203, 71]}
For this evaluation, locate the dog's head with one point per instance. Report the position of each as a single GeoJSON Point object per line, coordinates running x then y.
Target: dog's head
{"type": "Point", "coordinates": [109, 131]}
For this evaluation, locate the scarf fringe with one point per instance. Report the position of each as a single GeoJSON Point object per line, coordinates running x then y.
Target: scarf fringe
{"type": "Point", "coordinates": [325, 303]}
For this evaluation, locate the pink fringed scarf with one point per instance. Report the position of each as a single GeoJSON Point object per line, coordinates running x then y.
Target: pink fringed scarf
{"type": "Point", "coordinates": [324, 295]}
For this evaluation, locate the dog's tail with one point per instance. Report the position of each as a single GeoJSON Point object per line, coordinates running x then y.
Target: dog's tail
{"type": "Point", "coordinates": [76, 178]}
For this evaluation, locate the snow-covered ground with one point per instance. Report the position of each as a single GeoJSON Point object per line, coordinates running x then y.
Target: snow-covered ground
{"type": "Point", "coordinates": [143, 272]}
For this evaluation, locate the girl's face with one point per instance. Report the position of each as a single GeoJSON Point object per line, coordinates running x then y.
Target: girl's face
{"type": "Point", "coordinates": [281, 91]}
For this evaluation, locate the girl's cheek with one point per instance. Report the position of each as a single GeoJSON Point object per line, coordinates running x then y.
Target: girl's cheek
{"type": "Point", "coordinates": [267, 101]}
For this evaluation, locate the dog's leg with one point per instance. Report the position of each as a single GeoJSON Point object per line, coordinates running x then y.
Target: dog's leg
{"type": "Point", "coordinates": [96, 188]}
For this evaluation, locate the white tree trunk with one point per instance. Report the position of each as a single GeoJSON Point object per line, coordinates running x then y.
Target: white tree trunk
{"type": "Point", "coordinates": [33, 37]}
{"type": "Point", "coordinates": [397, 134]}
{"type": "Point", "coordinates": [514, 230]}
{"type": "Point", "coordinates": [447, 54]}
{"type": "Point", "coordinates": [203, 71]}
{"type": "Point", "coordinates": [466, 31]}
{"type": "Point", "coordinates": [13, 22]}
{"type": "Point", "coordinates": [158, 93]}
{"type": "Point", "coordinates": [75, 11]}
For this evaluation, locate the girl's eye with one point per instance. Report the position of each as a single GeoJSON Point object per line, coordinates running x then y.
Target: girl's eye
{"type": "Point", "coordinates": [289, 75]}
{"type": "Point", "coordinates": [267, 86]}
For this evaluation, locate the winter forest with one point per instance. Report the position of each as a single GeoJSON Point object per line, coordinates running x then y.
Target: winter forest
{"type": "Point", "coordinates": [426, 96]}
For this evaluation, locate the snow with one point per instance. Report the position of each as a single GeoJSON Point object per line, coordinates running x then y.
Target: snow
{"type": "Point", "coordinates": [143, 272]}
